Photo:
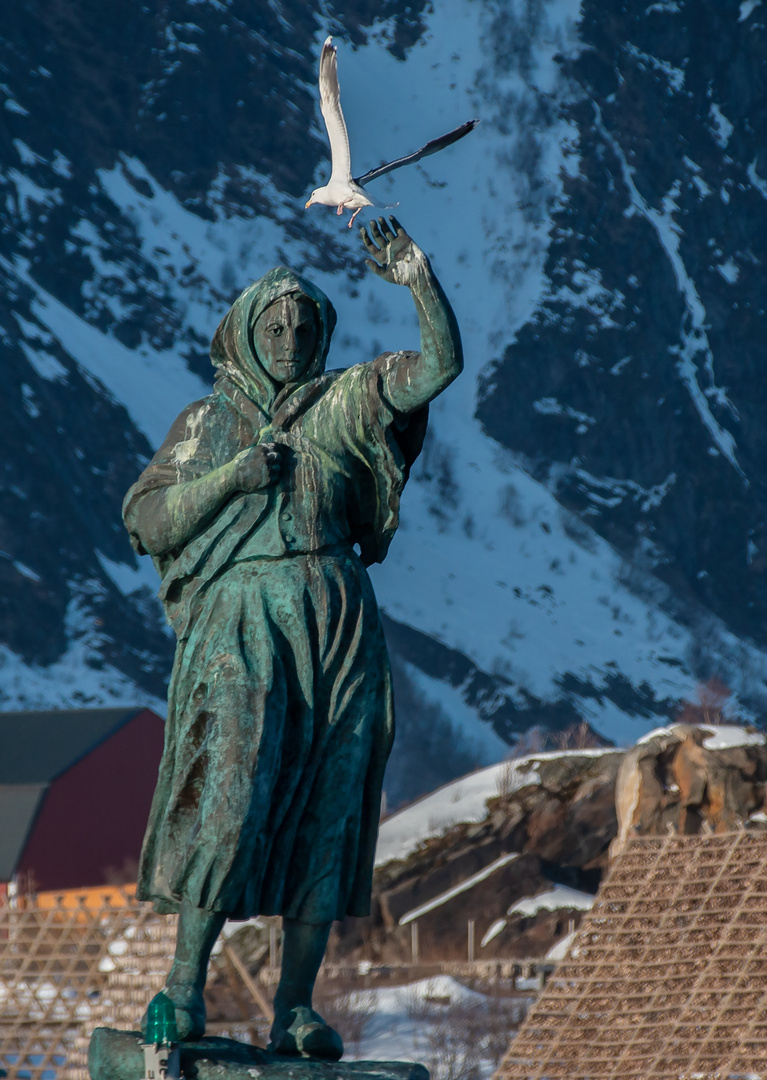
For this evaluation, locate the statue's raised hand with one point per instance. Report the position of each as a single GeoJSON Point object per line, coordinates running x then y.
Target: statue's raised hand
{"type": "Point", "coordinates": [394, 256]}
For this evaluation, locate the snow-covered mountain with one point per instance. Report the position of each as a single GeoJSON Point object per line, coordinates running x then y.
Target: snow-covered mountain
{"type": "Point", "coordinates": [584, 535]}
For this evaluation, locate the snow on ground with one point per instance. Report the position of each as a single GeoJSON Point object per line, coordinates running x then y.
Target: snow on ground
{"type": "Point", "coordinates": [560, 896]}
{"type": "Point", "coordinates": [695, 362]}
{"type": "Point", "coordinates": [481, 740]}
{"type": "Point", "coordinates": [462, 800]}
{"type": "Point", "coordinates": [560, 950]}
{"type": "Point", "coordinates": [402, 1018]}
{"type": "Point", "coordinates": [492, 932]}
{"type": "Point", "coordinates": [125, 373]}
{"type": "Point", "coordinates": [465, 799]}
{"type": "Point", "coordinates": [456, 890]}
{"type": "Point", "coordinates": [728, 735]}
{"type": "Point", "coordinates": [501, 577]}
{"type": "Point", "coordinates": [520, 596]}
{"type": "Point", "coordinates": [720, 737]}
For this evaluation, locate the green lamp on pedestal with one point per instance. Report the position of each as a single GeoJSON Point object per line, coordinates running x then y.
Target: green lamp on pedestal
{"type": "Point", "coordinates": [161, 1056]}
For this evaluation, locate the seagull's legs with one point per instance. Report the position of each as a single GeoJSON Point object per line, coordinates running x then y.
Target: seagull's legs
{"type": "Point", "coordinates": [340, 209]}
{"type": "Point", "coordinates": [351, 219]}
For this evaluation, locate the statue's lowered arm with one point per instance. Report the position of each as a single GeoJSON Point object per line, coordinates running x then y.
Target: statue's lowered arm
{"type": "Point", "coordinates": [168, 516]}
{"type": "Point", "coordinates": [420, 377]}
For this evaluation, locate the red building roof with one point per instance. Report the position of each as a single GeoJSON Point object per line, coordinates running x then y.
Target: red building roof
{"type": "Point", "coordinates": [75, 791]}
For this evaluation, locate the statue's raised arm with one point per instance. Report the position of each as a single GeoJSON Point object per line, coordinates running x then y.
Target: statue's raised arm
{"type": "Point", "coordinates": [418, 377]}
{"type": "Point", "coordinates": [262, 509]}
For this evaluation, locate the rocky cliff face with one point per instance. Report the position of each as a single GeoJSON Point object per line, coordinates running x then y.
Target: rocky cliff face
{"type": "Point", "coordinates": [549, 820]}
{"type": "Point", "coordinates": [644, 409]}
{"type": "Point", "coordinates": [689, 779]}
{"type": "Point", "coordinates": [521, 863]}
{"type": "Point", "coordinates": [582, 537]}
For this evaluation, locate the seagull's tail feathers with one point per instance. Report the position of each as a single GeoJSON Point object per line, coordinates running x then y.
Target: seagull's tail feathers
{"type": "Point", "coordinates": [374, 204]}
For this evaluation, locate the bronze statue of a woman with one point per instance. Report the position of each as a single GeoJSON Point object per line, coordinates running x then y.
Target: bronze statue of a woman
{"type": "Point", "coordinates": [261, 510]}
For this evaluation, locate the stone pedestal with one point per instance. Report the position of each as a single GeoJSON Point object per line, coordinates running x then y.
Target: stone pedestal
{"type": "Point", "coordinates": [117, 1055]}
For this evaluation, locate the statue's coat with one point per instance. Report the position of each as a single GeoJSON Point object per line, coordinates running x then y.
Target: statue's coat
{"type": "Point", "coordinates": [280, 712]}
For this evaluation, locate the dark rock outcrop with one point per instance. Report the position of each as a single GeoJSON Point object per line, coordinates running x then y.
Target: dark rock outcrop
{"type": "Point", "coordinates": [674, 780]}
{"type": "Point", "coordinates": [636, 390]}
{"type": "Point", "coordinates": [559, 822]}
{"type": "Point", "coordinates": [562, 815]}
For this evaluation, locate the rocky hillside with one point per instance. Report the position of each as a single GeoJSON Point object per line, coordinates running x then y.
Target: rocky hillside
{"type": "Point", "coordinates": [582, 538]}
{"type": "Point", "coordinates": [520, 848]}
{"type": "Point", "coordinates": [648, 393]}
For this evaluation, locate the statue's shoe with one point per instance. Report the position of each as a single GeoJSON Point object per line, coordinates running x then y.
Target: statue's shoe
{"type": "Point", "coordinates": [189, 1004]}
{"type": "Point", "coordinates": [301, 1032]}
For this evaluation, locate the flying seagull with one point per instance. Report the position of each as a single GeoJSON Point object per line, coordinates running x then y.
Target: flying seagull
{"type": "Point", "coordinates": [343, 190]}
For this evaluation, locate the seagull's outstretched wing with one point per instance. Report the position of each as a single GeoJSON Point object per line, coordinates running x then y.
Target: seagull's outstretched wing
{"type": "Point", "coordinates": [330, 104]}
{"type": "Point", "coordinates": [430, 148]}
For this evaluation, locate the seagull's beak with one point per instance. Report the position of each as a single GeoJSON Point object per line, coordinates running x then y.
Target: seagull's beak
{"type": "Point", "coordinates": [307, 204]}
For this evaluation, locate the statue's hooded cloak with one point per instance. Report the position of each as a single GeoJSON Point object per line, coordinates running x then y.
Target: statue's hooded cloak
{"type": "Point", "coordinates": [280, 714]}
{"type": "Point", "coordinates": [233, 352]}
{"type": "Point", "coordinates": [248, 406]}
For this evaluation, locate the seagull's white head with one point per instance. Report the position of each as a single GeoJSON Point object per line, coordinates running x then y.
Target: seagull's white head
{"type": "Point", "coordinates": [323, 196]}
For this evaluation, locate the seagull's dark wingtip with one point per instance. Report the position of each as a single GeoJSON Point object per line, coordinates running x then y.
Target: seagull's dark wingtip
{"type": "Point", "coordinates": [454, 135]}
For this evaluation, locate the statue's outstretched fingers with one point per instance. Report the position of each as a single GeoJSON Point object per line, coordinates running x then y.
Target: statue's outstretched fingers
{"type": "Point", "coordinates": [368, 241]}
{"type": "Point", "coordinates": [397, 227]}
{"type": "Point", "coordinates": [373, 266]}
{"type": "Point", "coordinates": [387, 230]}
{"type": "Point", "coordinates": [376, 232]}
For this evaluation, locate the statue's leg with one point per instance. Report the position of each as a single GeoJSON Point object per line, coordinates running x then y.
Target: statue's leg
{"type": "Point", "coordinates": [195, 937]}
{"type": "Point", "coordinates": [297, 1029]}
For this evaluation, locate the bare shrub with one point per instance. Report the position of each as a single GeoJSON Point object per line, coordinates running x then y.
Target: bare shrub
{"type": "Point", "coordinates": [416, 1007]}
{"type": "Point", "coordinates": [501, 1020]}
{"type": "Point", "coordinates": [453, 1055]}
{"type": "Point", "coordinates": [576, 737]}
{"type": "Point", "coordinates": [532, 741]}
{"type": "Point", "coordinates": [505, 782]}
{"type": "Point", "coordinates": [710, 708]}
{"type": "Point", "coordinates": [468, 1039]}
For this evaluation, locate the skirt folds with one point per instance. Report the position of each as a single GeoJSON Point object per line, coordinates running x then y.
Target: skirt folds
{"type": "Point", "coordinates": [280, 723]}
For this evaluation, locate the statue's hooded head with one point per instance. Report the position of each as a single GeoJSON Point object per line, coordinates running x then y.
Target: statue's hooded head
{"type": "Point", "coordinates": [235, 349]}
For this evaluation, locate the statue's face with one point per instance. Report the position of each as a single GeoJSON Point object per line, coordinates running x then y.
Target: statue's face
{"type": "Point", "coordinates": [285, 336]}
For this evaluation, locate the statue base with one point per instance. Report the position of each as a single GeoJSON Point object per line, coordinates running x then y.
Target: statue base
{"type": "Point", "coordinates": [117, 1055]}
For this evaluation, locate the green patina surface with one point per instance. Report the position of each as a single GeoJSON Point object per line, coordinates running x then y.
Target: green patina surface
{"type": "Point", "coordinates": [117, 1055]}
{"type": "Point", "coordinates": [279, 713]}
{"type": "Point", "coordinates": [262, 510]}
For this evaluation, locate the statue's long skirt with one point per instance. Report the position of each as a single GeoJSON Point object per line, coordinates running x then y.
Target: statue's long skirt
{"type": "Point", "coordinates": [279, 726]}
